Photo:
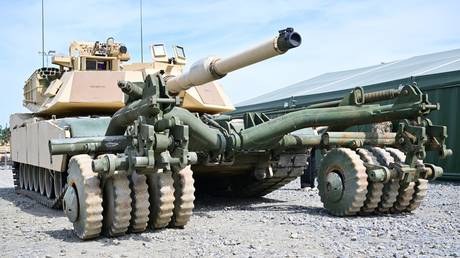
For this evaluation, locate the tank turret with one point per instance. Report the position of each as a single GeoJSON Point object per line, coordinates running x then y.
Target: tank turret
{"type": "Point", "coordinates": [83, 83]}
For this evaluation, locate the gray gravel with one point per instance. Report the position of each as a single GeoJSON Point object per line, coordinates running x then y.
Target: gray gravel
{"type": "Point", "coordinates": [288, 222]}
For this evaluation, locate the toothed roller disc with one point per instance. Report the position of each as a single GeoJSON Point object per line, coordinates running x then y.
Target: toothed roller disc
{"type": "Point", "coordinates": [342, 182]}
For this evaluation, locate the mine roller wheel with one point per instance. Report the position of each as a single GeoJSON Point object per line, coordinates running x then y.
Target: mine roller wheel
{"type": "Point", "coordinates": [374, 189]}
{"type": "Point", "coordinates": [421, 188]}
{"type": "Point", "coordinates": [391, 188]}
{"type": "Point", "coordinates": [21, 176]}
{"type": "Point", "coordinates": [140, 202]}
{"type": "Point", "coordinates": [117, 205]}
{"type": "Point", "coordinates": [41, 180]}
{"type": "Point", "coordinates": [406, 193]}
{"type": "Point", "coordinates": [161, 197]}
{"type": "Point", "coordinates": [342, 182]}
{"type": "Point", "coordinates": [397, 155]}
{"type": "Point", "coordinates": [82, 201]}
{"type": "Point", "coordinates": [404, 197]}
{"type": "Point", "coordinates": [49, 189]}
{"type": "Point", "coordinates": [35, 176]}
{"type": "Point", "coordinates": [184, 193]}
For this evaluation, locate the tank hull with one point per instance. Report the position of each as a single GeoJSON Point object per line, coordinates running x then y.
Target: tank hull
{"type": "Point", "coordinates": [38, 174]}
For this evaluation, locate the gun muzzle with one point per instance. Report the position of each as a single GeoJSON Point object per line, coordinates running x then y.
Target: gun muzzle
{"type": "Point", "coordinates": [213, 68]}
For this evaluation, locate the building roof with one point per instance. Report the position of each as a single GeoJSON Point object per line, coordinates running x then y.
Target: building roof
{"type": "Point", "coordinates": [417, 66]}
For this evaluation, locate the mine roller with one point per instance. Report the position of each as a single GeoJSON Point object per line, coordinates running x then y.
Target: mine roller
{"type": "Point", "coordinates": [122, 147]}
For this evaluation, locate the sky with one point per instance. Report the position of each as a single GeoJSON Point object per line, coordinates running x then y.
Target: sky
{"type": "Point", "coordinates": [337, 35]}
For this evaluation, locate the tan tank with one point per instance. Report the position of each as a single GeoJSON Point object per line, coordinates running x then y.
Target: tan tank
{"type": "Point", "coordinates": [119, 170]}
{"type": "Point", "coordinates": [81, 99]}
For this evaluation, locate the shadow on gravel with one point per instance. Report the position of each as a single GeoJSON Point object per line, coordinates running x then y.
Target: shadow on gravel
{"type": "Point", "coordinates": [445, 182]}
{"type": "Point", "coordinates": [67, 235]}
{"type": "Point", "coordinates": [211, 203]}
{"type": "Point", "coordinates": [28, 205]}
{"type": "Point", "coordinates": [206, 203]}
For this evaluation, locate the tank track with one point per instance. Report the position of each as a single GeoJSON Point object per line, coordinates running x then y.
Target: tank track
{"type": "Point", "coordinates": [38, 196]}
{"type": "Point", "coordinates": [244, 186]}
{"type": "Point", "coordinates": [289, 167]}
{"type": "Point", "coordinates": [265, 186]}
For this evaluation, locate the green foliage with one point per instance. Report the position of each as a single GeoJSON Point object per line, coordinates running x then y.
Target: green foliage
{"type": "Point", "coordinates": [5, 134]}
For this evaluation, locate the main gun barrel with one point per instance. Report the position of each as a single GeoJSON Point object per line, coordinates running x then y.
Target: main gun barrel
{"type": "Point", "coordinates": [213, 68]}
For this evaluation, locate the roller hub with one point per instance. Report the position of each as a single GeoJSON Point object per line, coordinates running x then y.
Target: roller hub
{"type": "Point", "coordinates": [70, 204]}
{"type": "Point", "coordinates": [334, 186]}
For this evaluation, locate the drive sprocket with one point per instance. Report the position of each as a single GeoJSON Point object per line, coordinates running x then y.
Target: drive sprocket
{"type": "Point", "coordinates": [161, 197]}
{"type": "Point", "coordinates": [342, 182]}
{"type": "Point", "coordinates": [117, 205]}
{"type": "Point", "coordinates": [85, 183]}
{"type": "Point", "coordinates": [374, 189]}
{"type": "Point", "coordinates": [140, 202]}
{"type": "Point", "coordinates": [184, 193]}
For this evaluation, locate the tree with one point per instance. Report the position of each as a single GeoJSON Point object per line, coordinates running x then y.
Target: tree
{"type": "Point", "coordinates": [5, 134]}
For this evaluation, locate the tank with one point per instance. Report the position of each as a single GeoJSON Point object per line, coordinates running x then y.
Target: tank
{"type": "Point", "coordinates": [123, 149]}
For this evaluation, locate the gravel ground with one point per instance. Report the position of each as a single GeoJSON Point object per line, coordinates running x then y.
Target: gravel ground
{"type": "Point", "coordinates": [288, 222]}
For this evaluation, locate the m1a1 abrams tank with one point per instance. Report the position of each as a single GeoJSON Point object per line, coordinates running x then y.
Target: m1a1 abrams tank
{"type": "Point", "coordinates": [133, 169]}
